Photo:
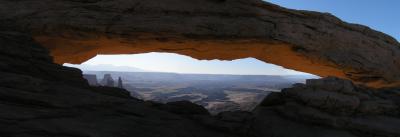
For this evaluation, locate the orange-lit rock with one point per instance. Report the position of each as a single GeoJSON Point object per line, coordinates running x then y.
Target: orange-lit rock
{"type": "Point", "coordinates": [312, 42]}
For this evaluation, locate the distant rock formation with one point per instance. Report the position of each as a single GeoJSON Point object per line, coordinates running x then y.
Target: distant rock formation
{"type": "Point", "coordinates": [120, 85]}
{"type": "Point", "coordinates": [92, 79]}
{"type": "Point", "coordinates": [107, 81]}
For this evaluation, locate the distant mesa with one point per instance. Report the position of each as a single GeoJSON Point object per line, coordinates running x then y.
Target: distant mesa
{"type": "Point", "coordinates": [92, 79]}
{"type": "Point", "coordinates": [107, 81]}
{"type": "Point", "coordinates": [120, 85]}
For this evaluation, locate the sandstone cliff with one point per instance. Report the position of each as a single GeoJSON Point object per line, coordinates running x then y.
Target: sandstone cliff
{"type": "Point", "coordinates": [317, 43]}
{"type": "Point", "coordinates": [39, 98]}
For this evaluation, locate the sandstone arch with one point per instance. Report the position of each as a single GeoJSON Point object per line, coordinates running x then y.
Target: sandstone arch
{"type": "Point", "coordinates": [312, 42]}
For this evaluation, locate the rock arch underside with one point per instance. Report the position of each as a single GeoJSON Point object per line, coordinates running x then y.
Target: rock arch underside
{"type": "Point", "coordinates": [41, 98]}
{"type": "Point", "coordinates": [312, 42]}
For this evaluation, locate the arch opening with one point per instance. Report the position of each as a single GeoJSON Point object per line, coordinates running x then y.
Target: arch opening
{"type": "Point", "coordinates": [310, 59]}
{"type": "Point", "coordinates": [217, 85]}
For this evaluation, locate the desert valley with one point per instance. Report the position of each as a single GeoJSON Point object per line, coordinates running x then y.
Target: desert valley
{"type": "Point", "coordinates": [217, 93]}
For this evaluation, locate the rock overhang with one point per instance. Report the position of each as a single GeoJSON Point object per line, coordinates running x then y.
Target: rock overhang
{"type": "Point", "coordinates": [312, 42]}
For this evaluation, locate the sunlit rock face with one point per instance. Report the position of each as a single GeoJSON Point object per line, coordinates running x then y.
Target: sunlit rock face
{"type": "Point", "coordinates": [75, 31]}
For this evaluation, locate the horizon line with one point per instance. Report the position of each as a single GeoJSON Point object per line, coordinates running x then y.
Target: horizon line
{"type": "Point", "coordinates": [202, 73]}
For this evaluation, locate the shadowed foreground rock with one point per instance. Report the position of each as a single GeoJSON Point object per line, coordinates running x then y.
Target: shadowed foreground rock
{"type": "Point", "coordinates": [318, 43]}
{"type": "Point", "coordinates": [329, 107]}
{"type": "Point", "coordinates": [41, 99]}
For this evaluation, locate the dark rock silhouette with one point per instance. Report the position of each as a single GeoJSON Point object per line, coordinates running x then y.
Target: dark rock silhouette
{"type": "Point", "coordinates": [107, 81]}
{"type": "Point", "coordinates": [120, 85]}
{"type": "Point", "coordinates": [92, 79]}
{"type": "Point", "coordinates": [185, 108]}
{"type": "Point", "coordinates": [338, 107]}
{"type": "Point", "coordinates": [39, 98]}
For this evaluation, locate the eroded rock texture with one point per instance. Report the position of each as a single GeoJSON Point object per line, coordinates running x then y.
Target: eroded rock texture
{"type": "Point", "coordinates": [329, 107]}
{"type": "Point", "coordinates": [312, 42]}
{"type": "Point", "coordinates": [39, 98]}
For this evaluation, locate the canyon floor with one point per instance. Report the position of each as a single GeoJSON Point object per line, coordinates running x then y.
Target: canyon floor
{"type": "Point", "coordinates": [215, 92]}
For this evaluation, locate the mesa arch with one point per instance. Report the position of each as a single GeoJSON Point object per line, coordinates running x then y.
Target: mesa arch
{"type": "Point", "coordinates": [312, 42]}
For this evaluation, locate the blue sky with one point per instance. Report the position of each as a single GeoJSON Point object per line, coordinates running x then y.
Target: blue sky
{"type": "Point", "coordinates": [381, 15]}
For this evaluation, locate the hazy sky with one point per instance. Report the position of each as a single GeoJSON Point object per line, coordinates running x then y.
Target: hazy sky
{"type": "Point", "coordinates": [170, 62]}
{"type": "Point", "coordinates": [382, 15]}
